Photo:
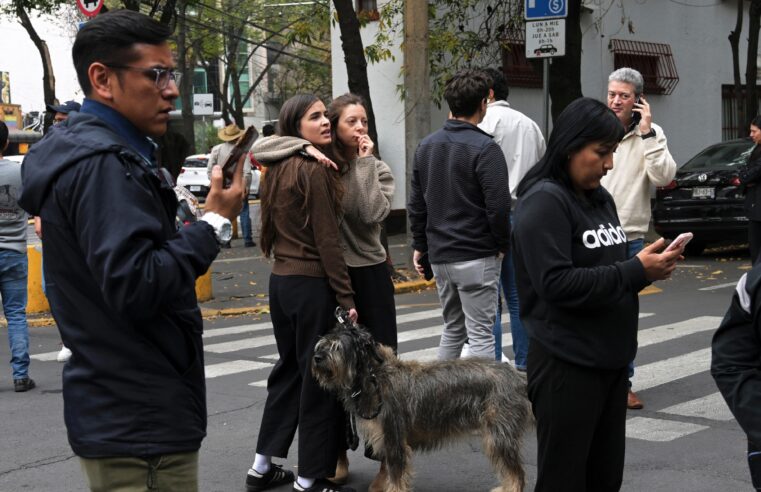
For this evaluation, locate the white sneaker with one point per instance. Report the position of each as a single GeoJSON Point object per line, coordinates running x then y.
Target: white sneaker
{"type": "Point", "coordinates": [64, 354]}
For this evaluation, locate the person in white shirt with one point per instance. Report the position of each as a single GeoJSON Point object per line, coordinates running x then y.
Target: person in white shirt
{"type": "Point", "coordinates": [523, 145]}
{"type": "Point", "coordinates": [641, 161]}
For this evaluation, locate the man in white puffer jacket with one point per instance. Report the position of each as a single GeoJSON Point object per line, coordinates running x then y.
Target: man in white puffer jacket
{"type": "Point", "coordinates": [641, 161]}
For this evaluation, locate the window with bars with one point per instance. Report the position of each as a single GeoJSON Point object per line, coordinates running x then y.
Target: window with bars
{"type": "Point", "coordinates": [653, 60]}
{"type": "Point", "coordinates": [732, 125]}
{"type": "Point", "coordinates": [518, 70]}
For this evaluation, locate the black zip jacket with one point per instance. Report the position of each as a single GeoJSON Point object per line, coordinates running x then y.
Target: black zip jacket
{"type": "Point", "coordinates": [577, 289]}
{"type": "Point", "coordinates": [736, 355]}
{"type": "Point", "coordinates": [121, 283]}
{"type": "Point", "coordinates": [459, 202]}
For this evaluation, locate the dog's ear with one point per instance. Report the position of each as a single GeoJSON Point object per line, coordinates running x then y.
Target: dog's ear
{"type": "Point", "coordinates": [367, 345]}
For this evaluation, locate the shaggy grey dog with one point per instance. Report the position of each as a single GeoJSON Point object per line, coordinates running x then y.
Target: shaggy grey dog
{"type": "Point", "coordinates": [402, 406]}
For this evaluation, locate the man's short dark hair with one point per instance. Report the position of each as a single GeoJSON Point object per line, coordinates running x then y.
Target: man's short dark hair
{"type": "Point", "coordinates": [109, 39]}
{"type": "Point", "coordinates": [3, 136]}
{"type": "Point", "coordinates": [498, 83]}
{"type": "Point", "coordinates": [465, 92]}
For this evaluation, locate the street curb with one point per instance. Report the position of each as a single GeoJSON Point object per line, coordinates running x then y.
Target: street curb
{"type": "Point", "coordinates": [206, 313]}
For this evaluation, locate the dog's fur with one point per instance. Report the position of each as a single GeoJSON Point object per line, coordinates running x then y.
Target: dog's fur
{"type": "Point", "coordinates": [402, 406]}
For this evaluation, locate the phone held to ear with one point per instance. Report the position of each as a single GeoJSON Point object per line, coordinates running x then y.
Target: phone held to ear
{"type": "Point", "coordinates": [241, 147]}
{"type": "Point", "coordinates": [679, 243]}
{"type": "Point", "coordinates": [636, 115]}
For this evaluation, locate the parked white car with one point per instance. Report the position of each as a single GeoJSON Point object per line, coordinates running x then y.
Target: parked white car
{"type": "Point", "coordinates": [193, 175]}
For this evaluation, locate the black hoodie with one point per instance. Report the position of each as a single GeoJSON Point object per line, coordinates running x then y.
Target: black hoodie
{"type": "Point", "coordinates": [120, 279]}
{"type": "Point", "coordinates": [577, 289]}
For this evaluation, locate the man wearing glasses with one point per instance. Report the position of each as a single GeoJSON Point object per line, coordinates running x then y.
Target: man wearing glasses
{"type": "Point", "coordinates": [642, 160]}
{"type": "Point", "coordinates": [120, 274]}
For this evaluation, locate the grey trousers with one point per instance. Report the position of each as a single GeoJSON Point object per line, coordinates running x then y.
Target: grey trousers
{"type": "Point", "coordinates": [468, 293]}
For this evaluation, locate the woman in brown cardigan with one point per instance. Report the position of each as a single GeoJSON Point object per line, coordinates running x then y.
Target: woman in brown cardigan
{"type": "Point", "coordinates": [300, 205]}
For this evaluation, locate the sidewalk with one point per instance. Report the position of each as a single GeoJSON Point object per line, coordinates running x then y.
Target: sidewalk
{"type": "Point", "coordinates": [240, 281]}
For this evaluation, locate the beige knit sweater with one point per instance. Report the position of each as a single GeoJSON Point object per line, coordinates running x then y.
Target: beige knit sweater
{"type": "Point", "coordinates": [368, 191]}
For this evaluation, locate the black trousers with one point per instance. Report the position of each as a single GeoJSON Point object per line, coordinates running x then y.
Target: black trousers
{"type": "Point", "coordinates": [302, 310]}
{"type": "Point", "coordinates": [754, 238]}
{"type": "Point", "coordinates": [374, 298]}
{"type": "Point", "coordinates": [580, 423]}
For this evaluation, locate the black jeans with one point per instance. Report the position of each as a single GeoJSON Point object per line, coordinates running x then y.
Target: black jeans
{"type": "Point", "coordinates": [754, 238]}
{"type": "Point", "coordinates": [580, 423]}
{"type": "Point", "coordinates": [374, 297]}
{"type": "Point", "coordinates": [302, 310]}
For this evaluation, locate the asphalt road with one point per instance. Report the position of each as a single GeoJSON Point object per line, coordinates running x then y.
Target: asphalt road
{"type": "Point", "coordinates": [684, 439]}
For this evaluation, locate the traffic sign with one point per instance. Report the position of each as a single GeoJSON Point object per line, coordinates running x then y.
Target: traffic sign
{"type": "Point", "coordinates": [545, 38]}
{"type": "Point", "coordinates": [546, 9]}
{"type": "Point", "coordinates": [90, 8]}
{"type": "Point", "coordinates": [203, 104]}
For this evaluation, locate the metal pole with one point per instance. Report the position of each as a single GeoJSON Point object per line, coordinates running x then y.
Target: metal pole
{"type": "Point", "coordinates": [546, 97]}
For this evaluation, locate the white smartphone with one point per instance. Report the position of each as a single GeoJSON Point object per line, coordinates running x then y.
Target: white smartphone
{"type": "Point", "coordinates": [680, 242]}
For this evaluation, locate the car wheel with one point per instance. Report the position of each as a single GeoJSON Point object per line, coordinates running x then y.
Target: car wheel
{"type": "Point", "coordinates": [694, 248]}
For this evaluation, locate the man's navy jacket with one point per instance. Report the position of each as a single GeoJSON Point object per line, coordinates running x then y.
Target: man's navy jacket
{"type": "Point", "coordinates": [120, 279]}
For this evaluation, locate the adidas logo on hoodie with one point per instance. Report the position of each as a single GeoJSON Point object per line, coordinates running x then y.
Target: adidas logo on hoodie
{"type": "Point", "coordinates": [596, 238]}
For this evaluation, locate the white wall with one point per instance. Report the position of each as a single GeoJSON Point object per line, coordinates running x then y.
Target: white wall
{"type": "Point", "coordinates": [22, 60]}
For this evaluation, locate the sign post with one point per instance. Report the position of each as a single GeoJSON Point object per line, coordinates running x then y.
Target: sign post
{"type": "Point", "coordinates": [545, 38]}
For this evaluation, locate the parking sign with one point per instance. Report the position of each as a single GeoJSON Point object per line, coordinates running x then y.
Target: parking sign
{"type": "Point", "coordinates": [546, 9]}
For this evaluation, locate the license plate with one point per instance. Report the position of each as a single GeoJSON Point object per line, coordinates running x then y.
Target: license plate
{"type": "Point", "coordinates": [703, 192]}
{"type": "Point", "coordinates": [195, 188]}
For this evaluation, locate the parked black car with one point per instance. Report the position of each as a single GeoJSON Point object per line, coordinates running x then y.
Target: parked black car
{"type": "Point", "coordinates": [705, 197]}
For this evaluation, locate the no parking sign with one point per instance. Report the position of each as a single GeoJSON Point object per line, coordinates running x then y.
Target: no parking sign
{"type": "Point", "coordinates": [90, 8]}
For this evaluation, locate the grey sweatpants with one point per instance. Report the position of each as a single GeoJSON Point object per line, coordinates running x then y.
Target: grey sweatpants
{"type": "Point", "coordinates": [468, 293]}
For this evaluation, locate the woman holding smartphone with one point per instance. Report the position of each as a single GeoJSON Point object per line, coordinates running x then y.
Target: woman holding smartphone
{"type": "Point", "coordinates": [368, 190]}
{"type": "Point", "coordinates": [300, 205]}
{"type": "Point", "coordinates": [578, 300]}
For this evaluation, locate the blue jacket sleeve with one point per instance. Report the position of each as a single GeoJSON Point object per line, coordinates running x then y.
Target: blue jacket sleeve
{"type": "Point", "coordinates": [124, 230]}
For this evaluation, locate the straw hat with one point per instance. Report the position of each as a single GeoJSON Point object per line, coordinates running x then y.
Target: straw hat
{"type": "Point", "coordinates": [230, 132]}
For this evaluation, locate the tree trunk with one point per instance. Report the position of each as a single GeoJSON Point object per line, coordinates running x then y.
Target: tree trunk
{"type": "Point", "coordinates": [356, 64]}
{"type": "Point", "coordinates": [186, 87]}
{"type": "Point", "coordinates": [565, 71]}
{"type": "Point", "coordinates": [48, 79]}
{"type": "Point", "coordinates": [734, 42]}
{"type": "Point", "coordinates": [751, 70]}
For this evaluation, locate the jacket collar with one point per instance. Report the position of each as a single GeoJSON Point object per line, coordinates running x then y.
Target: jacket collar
{"type": "Point", "coordinates": [458, 126]}
{"type": "Point", "coordinates": [124, 128]}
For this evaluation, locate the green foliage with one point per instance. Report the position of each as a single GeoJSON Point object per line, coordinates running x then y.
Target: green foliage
{"type": "Point", "coordinates": [462, 34]}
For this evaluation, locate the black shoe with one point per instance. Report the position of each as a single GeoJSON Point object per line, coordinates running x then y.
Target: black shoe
{"type": "Point", "coordinates": [322, 485]}
{"type": "Point", "coordinates": [273, 478]}
{"type": "Point", "coordinates": [24, 384]}
{"type": "Point", "coordinates": [226, 245]}
{"type": "Point", "coordinates": [249, 244]}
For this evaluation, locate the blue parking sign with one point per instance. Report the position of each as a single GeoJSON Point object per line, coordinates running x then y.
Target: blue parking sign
{"type": "Point", "coordinates": [546, 9]}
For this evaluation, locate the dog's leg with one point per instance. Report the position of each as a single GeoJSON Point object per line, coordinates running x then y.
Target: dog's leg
{"type": "Point", "coordinates": [399, 469]}
{"type": "Point", "coordinates": [504, 454]}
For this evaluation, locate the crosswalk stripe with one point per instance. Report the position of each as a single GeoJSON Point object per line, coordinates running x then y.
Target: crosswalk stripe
{"type": "Point", "coordinates": [658, 430]}
{"type": "Point", "coordinates": [711, 407]}
{"type": "Point", "coordinates": [664, 333]}
{"type": "Point", "coordinates": [665, 371]}
{"type": "Point", "coordinates": [236, 330]}
{"type": "Point", "coordinates": [233, 367]}
{"type": "Point", "coordinates": [719, 286]}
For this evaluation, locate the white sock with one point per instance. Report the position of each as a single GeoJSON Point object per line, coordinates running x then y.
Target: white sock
{"type": "Point", "coordinates": [305, 482]}
{"type": "Point", "coordinates": [262, 464]}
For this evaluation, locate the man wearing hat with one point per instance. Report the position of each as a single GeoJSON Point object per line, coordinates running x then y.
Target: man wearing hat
{"type": "Point", "coordinates": [229, 136]}
{"type": "Point", "coordinates": [62, 110]}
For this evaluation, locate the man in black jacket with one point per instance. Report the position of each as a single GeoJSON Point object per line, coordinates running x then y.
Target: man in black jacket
{"type": "Point", "coordinates": [736, 363]}
{"type": "Point", "coordinates": [120, 274]}
{"type": "Point", "coordinates": [459, 209]}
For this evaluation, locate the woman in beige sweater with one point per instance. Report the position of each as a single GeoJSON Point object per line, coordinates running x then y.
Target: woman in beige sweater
{"type": "Point", "coordinates": [368, 186]}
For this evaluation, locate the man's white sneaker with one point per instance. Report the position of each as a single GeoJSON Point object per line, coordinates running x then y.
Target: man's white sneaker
{"type": "Point", "coordinates": [63, 355]}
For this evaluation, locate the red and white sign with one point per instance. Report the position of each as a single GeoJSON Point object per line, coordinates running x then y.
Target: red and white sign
{"type": "Point", "coordinates": [90, 7]}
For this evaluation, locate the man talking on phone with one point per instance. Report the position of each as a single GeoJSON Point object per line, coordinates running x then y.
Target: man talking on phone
{"type": "Point", "coordinates": [123, 291]}
{"type": "Point", "coordinates": [641, 161]}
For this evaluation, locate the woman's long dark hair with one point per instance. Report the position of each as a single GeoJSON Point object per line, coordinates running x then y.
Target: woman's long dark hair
{"type": "Point", "coordinates": [584, 121]}
{"type": "Point", "coordinates": [296, 175]}
{"type": "Point", "coordinates": [335, 109]}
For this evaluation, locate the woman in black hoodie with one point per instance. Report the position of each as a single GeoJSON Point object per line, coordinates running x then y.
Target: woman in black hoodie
{"type": "Point", "coordinates": [578, 296]}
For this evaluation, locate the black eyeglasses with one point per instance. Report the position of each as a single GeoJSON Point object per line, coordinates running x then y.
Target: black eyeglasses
{"type": "Point", "coordinates": [160, 76]}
